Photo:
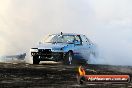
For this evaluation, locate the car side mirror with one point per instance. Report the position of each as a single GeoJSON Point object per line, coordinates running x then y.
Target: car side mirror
{"type": "Point", "coordinates": [76, 42]}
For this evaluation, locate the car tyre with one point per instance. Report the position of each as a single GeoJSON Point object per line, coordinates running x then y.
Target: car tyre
{"type": "Point", "coordinates": [68, 58]}
{"type": "Point", "coordinates": [35, 60]}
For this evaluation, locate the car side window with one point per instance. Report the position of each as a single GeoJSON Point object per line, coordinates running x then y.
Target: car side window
{"type": "Point", "coordinates": [85, 39]}
{"type": "Point", "coordinates": [77, 38]}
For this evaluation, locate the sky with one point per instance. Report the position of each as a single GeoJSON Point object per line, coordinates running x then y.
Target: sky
{"type": "Point", "coordinates": [108, 23]}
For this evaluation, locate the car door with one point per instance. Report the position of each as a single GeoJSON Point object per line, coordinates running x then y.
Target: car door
{"type": "Point", "coordinates": [78, 48]}
{"type": "Point", "coordinates": [86, 47]}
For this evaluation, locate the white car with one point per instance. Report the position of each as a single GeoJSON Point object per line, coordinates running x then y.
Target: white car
{"type": "Point", "coordinates": [69, 48]}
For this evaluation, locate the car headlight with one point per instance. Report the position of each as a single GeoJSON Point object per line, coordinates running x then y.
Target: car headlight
{"type": "Point", "coordinates": [33, 50]}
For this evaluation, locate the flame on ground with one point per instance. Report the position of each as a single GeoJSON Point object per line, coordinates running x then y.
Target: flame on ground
{"type": "Point", "coordinates": [81, 71]}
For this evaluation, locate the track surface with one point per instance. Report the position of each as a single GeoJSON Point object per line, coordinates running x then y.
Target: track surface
{"type": "Point", "coordinates": [22, 75]}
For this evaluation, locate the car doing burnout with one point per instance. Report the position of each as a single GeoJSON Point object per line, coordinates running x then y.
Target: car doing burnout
{"type": "Point", "coordinates": [65, 47]}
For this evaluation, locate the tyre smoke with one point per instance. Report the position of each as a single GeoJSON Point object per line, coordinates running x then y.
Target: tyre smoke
{"type": "Point", "coordinates": [107, 23]}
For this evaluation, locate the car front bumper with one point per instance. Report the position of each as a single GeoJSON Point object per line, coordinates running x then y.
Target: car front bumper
{"type": "Point", "coordinates": [48, 56]}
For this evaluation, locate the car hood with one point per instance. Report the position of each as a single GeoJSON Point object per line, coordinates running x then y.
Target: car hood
{"type": "Point", "coordinates": [52, 46]}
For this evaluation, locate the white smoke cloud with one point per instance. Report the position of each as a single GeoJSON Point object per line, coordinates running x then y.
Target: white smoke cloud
{"type": "Point", "coordinates": [106, 22]}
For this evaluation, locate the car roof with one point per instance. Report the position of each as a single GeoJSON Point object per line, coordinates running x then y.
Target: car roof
{"type": "Point", "coordinates": [66, 34]}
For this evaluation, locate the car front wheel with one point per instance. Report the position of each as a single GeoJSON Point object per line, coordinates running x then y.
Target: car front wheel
{"type": "Point", "coordinates": [35, 60]}
{"type": "Point", "coordinates": [68, 58]}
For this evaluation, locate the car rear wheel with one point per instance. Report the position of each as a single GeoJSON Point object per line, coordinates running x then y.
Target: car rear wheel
{"type": "Point", "coordinates": [35, 60]}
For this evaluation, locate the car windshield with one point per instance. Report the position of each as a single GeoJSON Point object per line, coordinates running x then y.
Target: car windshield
{"type": "Point", "coordinates": [59, 39]}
